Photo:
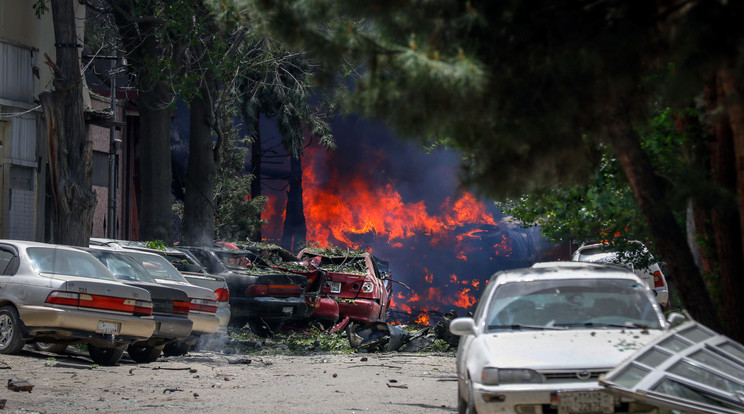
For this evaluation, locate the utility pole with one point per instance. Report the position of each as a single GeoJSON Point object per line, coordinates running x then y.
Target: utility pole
{"type": "Point", "coordinates": [111, 230]}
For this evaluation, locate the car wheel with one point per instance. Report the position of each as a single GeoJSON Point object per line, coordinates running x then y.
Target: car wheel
{"type": "Point", "coordinates": [177, 348]}
{"type": "Point", "coordinates": [462, 405]}
{"type": "Point", "coordinates": [144, 354]}
{"type": "Point", "coordinates": [470, 407]}
{"type": "Point", "coordinates": [10, 331]}
{"type": "Point", "coordinates": [105, 356]}
{"type": "Point", "coordinates": [50, 347]}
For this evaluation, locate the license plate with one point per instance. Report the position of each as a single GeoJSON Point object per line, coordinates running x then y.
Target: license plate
{"type": "Point", "coordinates": [585, 402]}
{"type": "Point", "coordinates": [108, 327]}
{"type": "Point", "coordinates": [287, 310]}
{"type": "Point", "coordinates": [335, 287]}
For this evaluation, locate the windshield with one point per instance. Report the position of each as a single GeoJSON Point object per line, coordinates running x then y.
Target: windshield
{"type": "Point", "coordinates": [123, 267]}
{"type": "Point", "coordinates": [158, 267]}
{"type": "Point", "coordinates": [572, 303]}
{"type": "Point", "coordinates": [67, 262]}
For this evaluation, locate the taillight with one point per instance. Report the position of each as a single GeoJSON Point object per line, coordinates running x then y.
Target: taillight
{"type": "Point", "coordinates": [110, 303]}
{"type": "Point", "coordinates": [222, 295]}
{"type": "Point", "coordinates": [367, 287]}
{"type": "Point", "coordinates": [658, 279]}
{"type": "Point", "coordinates": [257, 290]}
{"type": "Point", "coordinates": [203, 305]}
{"type": "Point", "coordinates": [181, 308]}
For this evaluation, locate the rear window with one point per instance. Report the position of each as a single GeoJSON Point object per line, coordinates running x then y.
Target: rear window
{"type": "Point", "coordinates": [67, 262]}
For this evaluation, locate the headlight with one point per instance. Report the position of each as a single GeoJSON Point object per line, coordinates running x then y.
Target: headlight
{"type": "Point", "coordinates": [367, 287]}
{"type": "Point", "coordinates": [496, 376]}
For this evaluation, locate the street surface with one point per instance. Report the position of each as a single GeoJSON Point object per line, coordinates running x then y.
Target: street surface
{"type": "Point", "coordinates": [216, 383]}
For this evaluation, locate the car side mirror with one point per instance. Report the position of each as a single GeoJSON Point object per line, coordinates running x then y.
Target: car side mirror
{"type": "Point", "coordinates": [462, 326]}
{"type": "Point", "coordinates": [676, 319]}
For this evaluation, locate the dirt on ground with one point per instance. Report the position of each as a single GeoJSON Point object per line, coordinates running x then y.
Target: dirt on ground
{"type": "Point", "coordinates": [216, 383]}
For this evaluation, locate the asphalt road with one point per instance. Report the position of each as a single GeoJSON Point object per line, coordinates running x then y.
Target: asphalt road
{"type": "Point", "coordinates": [217, 383]}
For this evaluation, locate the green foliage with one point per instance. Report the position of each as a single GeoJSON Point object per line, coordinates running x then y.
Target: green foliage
{"type": "Point", "coordinates": [603, 209]}
{"type": "Point", "coordinates": [155, 244]}
{"type": "Point", "coordinates": [40, 7]}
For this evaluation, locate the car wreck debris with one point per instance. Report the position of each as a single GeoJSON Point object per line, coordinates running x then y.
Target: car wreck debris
{"type": "Point", "coordinates": [19, 385]}
{"type": "Point", "coordinates": [386, 337]}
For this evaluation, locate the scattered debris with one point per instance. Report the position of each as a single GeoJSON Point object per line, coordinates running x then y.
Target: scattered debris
{"type": "Point", "coordinates": [3, 365]}
{"type": "Point", "coordinates": [19, 385]}
{"type": "Point", "coordinates": [196, 395]}
{"type": "Point", "coordinates": [340, 326]}
{"type": "Point", "coordinates": [397, 386]}
{"type": "Point", "coordinates": [2, 403]}
{"type": "Point", "coordinates": [241, 360]}
{"type": "Point", "coordinates": [171, 390]}
{"type": "Point", "coordinates": [173, 369]}
{"type": "Point", "coordinates": [363, 359]}
{"type": "Point", "coordinates": [335, 375]}
{"type": "Point", "coordinates": [76, 366]}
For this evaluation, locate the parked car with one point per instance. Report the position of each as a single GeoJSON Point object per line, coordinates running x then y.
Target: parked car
{"type": "Point", "coordinates": [360, 283]}
{"type": "Point", "coordinates": [170, 305]}
{"type": "Point", "coordinates": [260, 295]}
{"type": "Point", "coordinates": [59, 294]}
{"type": "Point", "coordinates": [202, 303]}
{"type": "Point", "coordinates": [651, 275]}
{"type": "Point", "coordinates": [541, 337]}
{"type": "Point", "coordinates": [191, 270]}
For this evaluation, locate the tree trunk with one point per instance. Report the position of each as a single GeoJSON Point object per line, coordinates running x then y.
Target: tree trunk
{"type": "Point", "coordinates": [153, 104]}
{"type": "Point", "coordinates": [198, 219]}
{"type": "Point", "coordinates": [666, 233]}
{"type": "Point", "coordinates": [70, 151]}
{"type": "Point", "coordinates": [155, 215]}
{"type": "Point", "coordinates": [256, 169]}
{"type": "Point", "coordinates": [294, 232]}
{"type": "Point", "coordinates": [727, 162]}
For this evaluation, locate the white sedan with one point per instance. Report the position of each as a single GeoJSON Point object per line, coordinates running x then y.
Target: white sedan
{"type": "Point", "coordinates": [541, 337]}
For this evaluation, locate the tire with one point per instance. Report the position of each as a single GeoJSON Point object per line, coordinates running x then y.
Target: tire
{"type": "Point", "coordinates": [105, 356]}
{"type": "Point", "coordinates": [177, 348]}
{"type": "Point", "coordinates": [10, 331]}
{"type": "Point", "coordinates": [462, 405]}
{"type": "Point", "coordinates": [50, 347]}
{"type": "Point", "coordinates": [144, 354]}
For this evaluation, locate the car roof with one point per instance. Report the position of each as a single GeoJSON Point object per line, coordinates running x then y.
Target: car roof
{"type": "Point", "coordinates": [23, 244]}
{"type": "Point", "coordinates": [563, 270]}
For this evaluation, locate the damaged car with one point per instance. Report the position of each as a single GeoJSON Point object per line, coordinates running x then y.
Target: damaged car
{"type": "Point", "coordinates": [542, 337]}
{"type": "Point", "coordinates": [260, 295]}
{"type": "Point", "coordinates": [61, 295]}
{"type": "Point", "coordinates": [359, 283]}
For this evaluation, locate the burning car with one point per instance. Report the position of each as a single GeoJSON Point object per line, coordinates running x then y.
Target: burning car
{"type": "Point", "coordinates": [357, 281]}
{"type": "Point", "coordinates": [260, 295]}
{"type": "Point", "coordinates": [61, 295]}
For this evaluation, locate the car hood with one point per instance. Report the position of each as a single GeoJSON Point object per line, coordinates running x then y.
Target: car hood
{"type": "Point", "coordinates": [566, 349]}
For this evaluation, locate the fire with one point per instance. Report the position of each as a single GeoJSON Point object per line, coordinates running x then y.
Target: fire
{"type": "Point", "coordinates": [349, 202]}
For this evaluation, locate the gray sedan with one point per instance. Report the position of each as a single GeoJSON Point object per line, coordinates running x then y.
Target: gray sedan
{"type": "Point", "coordinates": [58, 294]}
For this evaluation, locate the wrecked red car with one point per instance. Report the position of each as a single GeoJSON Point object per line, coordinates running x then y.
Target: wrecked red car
{"type": "Point", "coordinates": [357, 282]}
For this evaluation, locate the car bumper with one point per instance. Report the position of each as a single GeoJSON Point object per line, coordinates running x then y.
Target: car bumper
{"type": "Point", "coordinates": [326, 308]}
{"type": "Point", "coordinates": [269, 307]}
{"type": "Point", "coordinates": [662, 296]}
{"type": "Point", "coordinates": [169, 327]}
{"type": "Point", "coordinates": [204, 323]}
{"type": "Point", "coordinates": [532, 398]}
{"type": "Point", "coordinates": [223, 316]}
{"type": "Point", "coordinates": [360, 310]}
{"type": "Point", "coordinates": [68, 324]}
